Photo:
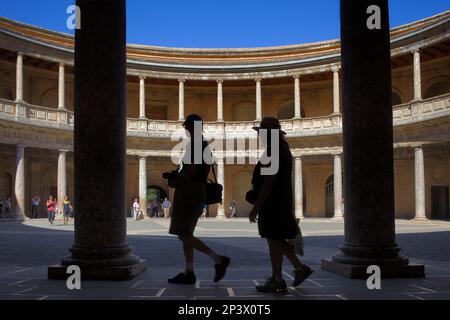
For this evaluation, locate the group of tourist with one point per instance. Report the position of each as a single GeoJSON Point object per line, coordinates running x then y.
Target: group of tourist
{"type": "Point", "coordinates": [271, 196]}
{"type": "Point", "coordinates": [66, 209]}
{"type": "Point", "coordinates": [153, 209]}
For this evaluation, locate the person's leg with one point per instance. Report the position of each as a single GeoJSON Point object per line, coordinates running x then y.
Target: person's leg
{"type": "Point", "coordinates": [289, 252]}
{"type": "Point", "coordinates": [188, 250]}
{"type": "Point", "coordinates": [276, 258]}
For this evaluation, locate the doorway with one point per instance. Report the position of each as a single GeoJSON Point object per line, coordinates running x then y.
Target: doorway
{"type": "Point", "coordinates": [440, 203]}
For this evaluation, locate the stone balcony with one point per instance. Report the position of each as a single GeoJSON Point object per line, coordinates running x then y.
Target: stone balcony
{"type": "Point", "coordinates": [404, 114]}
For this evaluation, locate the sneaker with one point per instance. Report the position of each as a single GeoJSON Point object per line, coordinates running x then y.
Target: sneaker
{"type": "Point", "coordinates": [301, 275]}
{"type": "Point", "coordinates": [221, 268]}
{"type": "Point", "coordinates": [273, 286]}
{"type": "Point", "coordinates": [184, 278]}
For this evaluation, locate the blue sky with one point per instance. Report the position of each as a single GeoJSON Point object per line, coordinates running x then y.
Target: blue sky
{"type": "Point", "coordinates": [226, 23]}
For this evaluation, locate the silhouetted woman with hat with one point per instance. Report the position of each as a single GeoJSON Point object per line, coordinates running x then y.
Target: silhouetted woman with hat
{"type": "Point", "coordinates": [273, 205]}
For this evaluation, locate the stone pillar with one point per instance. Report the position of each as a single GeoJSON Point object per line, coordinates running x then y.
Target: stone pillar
{"type": "Point", "coordinates": [61, 88]}
{"type": "Point", "coordinates": [142, 98]}
{"type": "Point", "coordinates": [219, 100]}
{"type": "Point", "coordinates": [62, 178]}
{"type": "Point", "coordinates": [100, 246]}
{"type": "Point", "coordinates": [19, 183]}
{"type": "Point", "coordinates": [298, 188]}
{"type": "Point", "coordinates": [181, 99]}
{"type": "Point", "coordinates": [19, 77]}
{"type": "Point", "coordinates": [258, 99]}
{"type": "Point", "coordinates": [336, 95]}
{"type": "Point", "coordinates": [338, 214]}
{"type": "Point", "coordinates": [419, 175]}
{"type": "Point", "coordinates": [417, 76]}
{"type": "Point", "coordinates": [143, 184]}
{"type": "Point", "coordinates": [297, 103]}
{"type": "Point", "coordinates": [368, 148]}
{"type": "Point", "coordinates": [221, 180]}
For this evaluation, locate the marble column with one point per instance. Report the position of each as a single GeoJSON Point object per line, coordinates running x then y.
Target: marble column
{"type": "Point", "coordinates": [298, 188]}
{"type": "Point", "coordinates": [336, 95]}
{"type": "Point", "coordinates": [142, 97]}
{"type": "Point", "coordinates": [221, 180]}
{"type": "Point", "coordinates": [368, 148]}
{"type": "Point", "coordinates": [419, 177]}
{"type": "Point", "coordinates": [181, 99]}
{"type": "Point", "coordinates": [219, 100]}
{"type": "Point", "coordinates": [338, 214]}
{"type": "Point", "coordinates": [143, 184]}
{"type": "Point", "coordinates": [417, 76]}
{"type": "Point", "coordinates": [297, 103]}
{"type": "Point", "coordinates": [19, 183]}
{"type": "Point", "coordinates": [100, 246]}
{"type": "Point", "coordinates": [258, 99]}
{"type": "Point", "coordinates": [62, 177]}
{"type": "Point", "coordinates": [19, 77]}
{"type": "Point", "coordinates": [61, 88]}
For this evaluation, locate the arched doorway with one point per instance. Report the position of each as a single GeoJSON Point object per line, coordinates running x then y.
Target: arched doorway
{"type": "Point", "coordinates": [329, 197]}
{"type": "Point", "coordinates": [243, 111]}
{"type": "Point", "coordinates": [438, 88]}
{"type": "Point", "coordinates": [241, 183]}
{"type": "Point", "coordinates": [396, 99]}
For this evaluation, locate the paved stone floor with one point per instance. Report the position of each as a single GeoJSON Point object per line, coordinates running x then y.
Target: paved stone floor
{"type": "Point", "coordinates": [27, 249]}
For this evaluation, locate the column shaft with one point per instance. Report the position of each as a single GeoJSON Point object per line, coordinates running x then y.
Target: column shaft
{"type": "Point", "coordinates": [62, 178]}
{"type": "Point", "coordinates": [19, 185]}
{"type": "Point", "coordinates": [143, 184]}
{"type": "Point", "coordinates": [221, 180]}
{"type": "Point", "coordinates": [19, 77]}
{"type": "Point", "coordinates": [297, 103]}
{"type": "Point", "coordinates": [338, 214]}
{"type": "Point", "coordinates": [419, 169]}
{"type": "Point", "coordinates": [181, 100]}
{"type": "Point", "coordinates": [142, 98]}
{"type": "Point", "coordinates": [258, 100]}
{"type": "Point", "coordinates": [417, 76]}
{"type": "Point", "coordinates": [219, 100]}
{"type": "Point", "coordinates": [299, 188]}
{"type": "Point", "coordinates": [336, 95]}
{"type": "Point", "coordinates": [61, 88]}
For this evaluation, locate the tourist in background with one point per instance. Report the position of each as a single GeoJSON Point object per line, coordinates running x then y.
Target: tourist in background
{"type": "Point", "coordinates": [35, 202]}
{"type": "Point", "coordinates": [136, 207]}
{"type": "Point", "coordinates": [7, 207]}
{"type": "Point", "coordinates": [154, 208]}
{"type": "Point", "coordinates": [233, 208]}
{"type": "Point", "coordinates": [51, 209]}
{"type": "Point", "coordinates": [67, 210]}
{"type": "Point", "coordinates": [166, 207]}
{"type": "Point", "coordinates": [1, 208]}
{"type": "Point", "coordinates": [272, 198]}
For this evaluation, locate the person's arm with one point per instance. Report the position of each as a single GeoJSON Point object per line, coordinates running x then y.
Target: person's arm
{"type": "Point", "coordinates": [264, 194]}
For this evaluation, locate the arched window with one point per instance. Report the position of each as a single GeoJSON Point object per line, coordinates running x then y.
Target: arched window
{"type": "Point", "coordinates": [287, 111]}
{"type": "Point", "coordinates": [437, 89]}
{"type": "Point", "coordinates": [6, 94]}
{"type": "Point", "coordinates": [329, 197]}
{"type": "Point", "coordinates": [50, 98]}
{"type": "Point", "coordinates": [243, 111]}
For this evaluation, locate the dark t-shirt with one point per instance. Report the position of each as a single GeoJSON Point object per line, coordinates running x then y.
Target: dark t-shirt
{"type": "Point", "coordinates": [202, 167]}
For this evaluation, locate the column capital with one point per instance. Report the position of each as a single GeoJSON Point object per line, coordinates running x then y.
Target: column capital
{"type": "Point", "coordinates": [181, 80]}
{"type": "Point", "coordinates": [142, 157]}
{"type": "Point", "coordinates": [296, 76]}
{"type": "Point", "coordinates": [21, 146]}
{"type": "Point", "coordinates": [417, 50]}
{"type": "Point", "coordinates": [65, 151]}
{"type": "Point", "coordinates": [219, 81]}
{"type": "Point", "coordinates": [20, 53]}
{"type": "Point", "coordinates": [336, 69]}
{"type": "Point", "coordinates": [258, 79]}
{"type": "Point", "coordinates": [142, 77]}
{"type": "Point", "coordinates": [62, 64]}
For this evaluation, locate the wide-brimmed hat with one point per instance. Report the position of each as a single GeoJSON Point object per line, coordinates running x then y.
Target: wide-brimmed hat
{"type": "Point", "coordinates": [269, 123]}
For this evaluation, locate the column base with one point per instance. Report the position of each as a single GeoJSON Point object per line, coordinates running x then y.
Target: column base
{"type": "Point", "coordinates": [341, 218]}
{"type": "Point", "coordinates": [420, 219]}
{"type": "Point", "coordinates": [100, 271]}
{"type": "Point", "coordinates": [387, 271]}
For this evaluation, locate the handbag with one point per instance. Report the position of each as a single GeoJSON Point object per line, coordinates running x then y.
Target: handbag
{"type": "Point", "coordinates": [213, 190]}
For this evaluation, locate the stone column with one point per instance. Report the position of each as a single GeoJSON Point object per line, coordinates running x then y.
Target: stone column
{"type": "Point", "coordinates": [417, 76]}
{"type": "Point", "coordinates": [338, 214]}
{"type": "Point", "coordinates": [62, 177]}
{"type": "Point", "coordinates": [181, 99]}
{"type": "Point", "coordinates": [336, 96]}
{"type": "Point", "coordinates": [368, 148]}
{"type": "Point", "coordinates": [221, 180]}
{"type": "Point", "coordinates": [297, 103]}
{"type": "Point", "coordinates": [142, 97]}
{"type": "Point", "coordinates": [19, 183]}
{"type": "Point", "coordinates": [61, 88]}
{"type": "Point", "coordinates": [219, 100]}
{"type": "Point", "coordinates": [143, 184]}
{"type": "Point", "coordinates": [298, 188]}
{"type": "Point", "coordinates": [100, 246]}
{"type": "Point", "coordinates": [19, 77]}
{"type": "Point", "coordinates": [258, 99]}
{"type": "Point", "coordinates": [419, 170]}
